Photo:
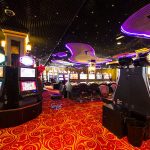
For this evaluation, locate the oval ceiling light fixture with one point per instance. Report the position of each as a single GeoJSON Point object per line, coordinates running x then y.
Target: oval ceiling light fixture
{"type": "Point", "coordinates": [9, 12]}
{"type": "Point", "coordinates": [119, 43]}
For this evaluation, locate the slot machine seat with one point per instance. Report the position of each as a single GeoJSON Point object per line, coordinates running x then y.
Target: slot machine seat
{"type": "Point", "coordinates": [75, 92]}
{"type": "Point", "coordinates": [104, 90]}
{"type": "Point", "coordinates": [113, 87]}
{"type": "Point", "coordinates": [94, 91]}
{"type": "Point", "coordinates": [56, 101]}
{"type": "Point", "coordinates": [84, 92]}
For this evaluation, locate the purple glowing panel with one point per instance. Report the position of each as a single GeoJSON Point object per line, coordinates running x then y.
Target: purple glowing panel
{"type": "Point", "coordinates": [60, 54]}
{"type": "Point", "coordinates": [65, 63]}
{"type": "Point", "coordinates": [131, 55]}
{"type": "Point", "coordinates": [82, 53]}
{"type": "Point", "coordinates": [138, 24]}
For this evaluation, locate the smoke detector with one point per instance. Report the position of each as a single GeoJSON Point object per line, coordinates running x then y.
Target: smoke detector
{"type": "Point", "coordinates": [9, 12]}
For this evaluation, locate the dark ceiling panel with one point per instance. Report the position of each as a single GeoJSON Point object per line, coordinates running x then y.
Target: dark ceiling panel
{"type": "Point", "coordinates": [97, 23]}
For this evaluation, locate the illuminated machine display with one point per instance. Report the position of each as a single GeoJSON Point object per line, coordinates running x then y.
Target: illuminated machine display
{"type": "Point", "coordinates": [106, 76]}
{"type": "Point", "coordinates": [91, 76]}
{"type": "Point", "coordinates": [83, 76]}
{"type": "Point", "coordinates": [60, 77]}
{"type": "Point", "coordinates": [99, 76]}
{"type": "Point", "coordinates": [66, 77]}
{"type": "Point", "coordinates": [74, 76]}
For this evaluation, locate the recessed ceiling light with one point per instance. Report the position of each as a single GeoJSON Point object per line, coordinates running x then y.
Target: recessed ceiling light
{"type": "Point", "coordinates": [119, 43]}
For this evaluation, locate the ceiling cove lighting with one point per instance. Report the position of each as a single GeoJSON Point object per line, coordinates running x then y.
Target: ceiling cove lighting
{"type": "Point", "coordinates": [138, 24]}
{"type": "Point", "coordinates": [120, 37]}
{"type": "Point", "coordinates": [134, 34]}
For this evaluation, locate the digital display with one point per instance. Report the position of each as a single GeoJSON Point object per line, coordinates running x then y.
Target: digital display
{"type": "Point", "coordinates": [0, 86]}
{"type": "Point", "coordinates": [28, 85]}
{"type": "Point", "coordinates": [106, 76]}
{"type": "Point", "coordinates": [73, 76]}
{"type": "Point", "coordinates": [91, 76]}
{"type": "Point", "coordinates": [27, 72]}
{"type": "Point", "coordinates": [61, 79]}
{"type": "Point", "coordinates": [60, 75]}
{"type": "Point", "coordinates": [99, 76]}
{"type": "Point", "coordinates": [1, 72]}
{"type": "Point", "coordinates": [83, 76]}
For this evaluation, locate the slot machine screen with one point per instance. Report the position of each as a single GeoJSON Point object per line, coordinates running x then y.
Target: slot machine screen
{"type": "Point", "coordinates": [60, 79]}
{"type": "Point", "coordinates": [28, 86]}
{"type": "Point", "coordinates": [99, 76]}
{"type": "Point", "coordinates": [27, 72]}
{"type": "Point", "coordinates": [73, 76]}
{"type": "Point", "coordinates": [1, 72]}
{"type": "Point", "coordinates": [91, 76]}
{"type": "Point", "coordinates": [83, 76]}
{"type": "Point", "coordinates": [106, 76]}
{"type": "Point", "coordinates": [66, 76]}
{"type": "Point", "coordinates": [0, 86]}
{"type": "Point", "coordinates": [60, 75]}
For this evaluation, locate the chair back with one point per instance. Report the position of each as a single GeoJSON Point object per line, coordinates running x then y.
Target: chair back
{"type": "Point", "coordinates": [104, 90]}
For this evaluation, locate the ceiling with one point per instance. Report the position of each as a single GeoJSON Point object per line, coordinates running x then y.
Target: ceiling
{"type": "Point", "coordinates": [53, 23]}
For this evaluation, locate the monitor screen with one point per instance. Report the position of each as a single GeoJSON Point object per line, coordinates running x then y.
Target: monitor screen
{"type": "Point", "coordinates": [99, 76]}
{"type": "Point", "coordinates": [0, 85]}
{"type": "Point", "coordinates": [83, 76]}
{"type": "Point", "coordinates": [106, 76]}
{"type": "Point", "coordinates": [91, 76]}
{"type": "Point", "coordinates": [60, 79]}
{"type": "Point", "coordinates": [1, 72]}
{"type": "Point", "coordinates": [73, 76]}
{"type": "Point", "coordinates": [27, 72]}
{"type": "Point", "coordinates": [28, 85]}
{"type": "Point", "coordinates": [66, 75]}
{"type": "Point", "coordinates": [60, 75]}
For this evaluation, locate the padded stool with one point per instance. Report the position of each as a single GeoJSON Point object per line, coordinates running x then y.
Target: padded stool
{"type": "Point", "coordinates": [56, 101]}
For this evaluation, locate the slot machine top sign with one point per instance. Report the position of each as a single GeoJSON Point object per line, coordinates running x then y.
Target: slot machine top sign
{"type": "Point", "coordinates": [27, 61]}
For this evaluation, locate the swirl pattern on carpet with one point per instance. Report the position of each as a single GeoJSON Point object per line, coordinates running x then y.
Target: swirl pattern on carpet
{"type": "Point", "coordinates": [75, 126]}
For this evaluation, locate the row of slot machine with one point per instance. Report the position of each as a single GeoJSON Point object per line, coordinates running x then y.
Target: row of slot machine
{"type": "Point", "coordinates": [83, 76]}
{"type": "Point", "coordinates": [18, 85]}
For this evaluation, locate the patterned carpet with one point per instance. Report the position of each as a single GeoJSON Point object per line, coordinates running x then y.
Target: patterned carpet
{"type": "Point", "coordinates": [74, 127]}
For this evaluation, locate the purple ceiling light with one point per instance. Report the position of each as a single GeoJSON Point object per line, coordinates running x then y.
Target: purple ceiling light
{"type": "Point", "coordinates": [127, 54]}
{"type": "Point", "coordinates": [82, 53]}
{"type": "Point", "coordinates": [138, 24]}
{"type": "Point", "coordinates": [60, 54]}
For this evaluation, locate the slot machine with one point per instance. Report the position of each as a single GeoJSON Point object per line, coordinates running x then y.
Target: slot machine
{"type": "Point", "coordinates": [27, 81]}
{"type": "Point", "coordinates": [21, 84]}
{"type": "Point", "coordinates": [22, 100]}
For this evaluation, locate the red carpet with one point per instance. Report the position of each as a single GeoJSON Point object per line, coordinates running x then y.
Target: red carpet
{"type": "Point", "coordinates": [74, 127]}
